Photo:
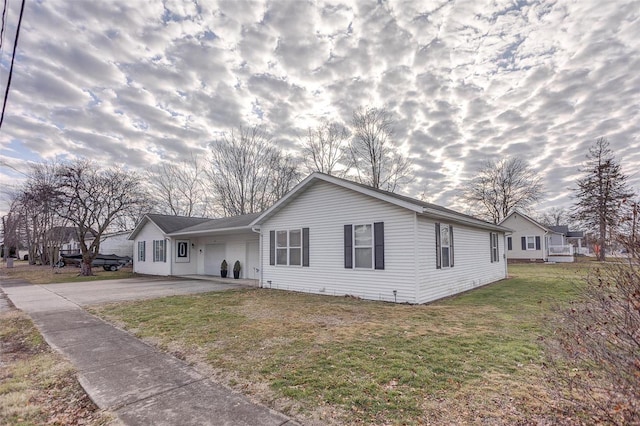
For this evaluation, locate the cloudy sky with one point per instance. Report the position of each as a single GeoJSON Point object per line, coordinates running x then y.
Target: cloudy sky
{"type": "Point", "coordinates": [136, 82]}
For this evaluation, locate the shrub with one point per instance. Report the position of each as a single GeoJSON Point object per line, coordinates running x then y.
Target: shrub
{"type": "Point", "coordinates": [594, 354]}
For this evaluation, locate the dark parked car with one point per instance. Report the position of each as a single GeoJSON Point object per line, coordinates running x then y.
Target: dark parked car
{"type": "Point", "coordinates": [109, 262]}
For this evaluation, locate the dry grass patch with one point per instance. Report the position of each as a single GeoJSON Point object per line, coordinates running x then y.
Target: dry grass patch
{"type": "Point", "coordinates": [37, 386]}
{"type": "Point", "coordinates": [473, 359]}
{"type": "Point", "coordinates": [45, 274]}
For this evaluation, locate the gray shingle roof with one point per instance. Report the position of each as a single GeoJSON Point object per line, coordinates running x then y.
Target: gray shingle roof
{"type": "Point", "coordinates": [170, 224]}
{"type": "Point", "coordinates": [222, 223]}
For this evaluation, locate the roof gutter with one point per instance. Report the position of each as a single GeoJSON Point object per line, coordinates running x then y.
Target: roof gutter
{"type": "Point", "coordinates": [206, 231]}
{"type": "Point", "coordinates": [479, 223]}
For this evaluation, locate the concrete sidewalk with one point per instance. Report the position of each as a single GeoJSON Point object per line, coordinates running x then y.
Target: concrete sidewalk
{"type": "Point", "coordinates": [128, 377]}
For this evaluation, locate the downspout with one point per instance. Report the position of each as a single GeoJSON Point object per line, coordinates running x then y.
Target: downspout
{"type": "Point", "coordinates": [504, 254]}
{"type": "Point", "coordinates": [169, 256]}
{"type": "Point", "coordinates": [257, 231]}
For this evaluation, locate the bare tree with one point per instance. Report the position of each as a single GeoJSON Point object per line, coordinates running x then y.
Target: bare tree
{"type": "Point", "coordinates": [179, 189]}
{"type": "Point", "coordinates": [285, 174]}
{"type": "Point", "coordinates": [325, 149]}
{"type": "Point", "coordinates": [629, 235]}
{"type": "Point", "coordinates": [501, 187]}
{"type": "Point", "coordinates": [600, 193]}
{"type": "Point", "coordinates": [247, 173]}
{"type": "Point", "coordinates": [555, 216]}
{"type": "Point", "coordinates": [374, 156]}
{"type": "Point", "coordinates": [37, 205]}
{"type": "Point", "coordinates": [93, 198]}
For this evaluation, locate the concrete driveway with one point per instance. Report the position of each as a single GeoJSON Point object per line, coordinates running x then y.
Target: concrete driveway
{"type": "Point", "coordinates": [124, 375]}
{"type": "Point", "coordinates": [95, 292]}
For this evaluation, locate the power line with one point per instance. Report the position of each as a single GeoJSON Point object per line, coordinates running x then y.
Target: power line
{"type": "Point", "coordinates": [13, 57]}
{"type": "Point", "coordinates": [4, 20]}
{"type": "Point", "coordinates": [4, 24]}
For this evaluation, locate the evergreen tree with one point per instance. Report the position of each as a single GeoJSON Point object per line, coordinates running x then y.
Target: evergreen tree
{"type": "Point", "coordinates": [600, 193]}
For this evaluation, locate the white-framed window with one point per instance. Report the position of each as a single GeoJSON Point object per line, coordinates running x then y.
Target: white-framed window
{"type": "Point", "coordinates": [363, 246]}
{"type": "Point", "coordinates": [445, 245]}
{"type": "Point", "coordinates": [289, 247]}
{"type": "Point", "coordinates": [159, 252]}
{"type": "Point", "coordinates": [494, 247]}
{"type": "Point", "coordinates": [531, 242]}
{"type": "Point", "coordinates": [141, 251]}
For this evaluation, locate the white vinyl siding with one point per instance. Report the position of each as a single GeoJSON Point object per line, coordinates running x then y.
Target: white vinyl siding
{"type": "Point", "coordinates": [473, 266]}
{"type": "Point", "coordinates": [147, 235]}
{"type": "Point", "coordinates": [523, 227]}
{"type": "Point", "coordinates": [325, 208]}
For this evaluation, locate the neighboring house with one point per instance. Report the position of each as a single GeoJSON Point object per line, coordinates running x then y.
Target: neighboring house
{"type": "Point", "coordinates": [65, 239]}
{"type": "Point", "coordinates": [117, 243]}
{"type": "Point", "coordinates": [531, 241]}
{"type": "Point", "coordinates": [335, 237]}
{"type": "Point", "coordinates": [566, 237]}
{"type": "Point", "coordinates": [178, 245]}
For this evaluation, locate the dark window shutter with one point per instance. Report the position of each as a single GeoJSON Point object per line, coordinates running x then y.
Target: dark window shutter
{"type": "Point", "coordinates": [491, 246]}
{"type": "Point", "coordinates": [272, 247]}
{"type": "Point", "coordinates": [509, 244]}
{"type": "Point", "coordinates": [378, 241]}
{"type": "Point", "coordinates": [348, 246]}
{"type": "Point", "coordinates": [524, 243]}
{"type": "Point", "coordinates": [305, 246]}
{"type": "Point", "coordinates": [451, 244]}
{"type": "Point", "coordinates": [438, 251]}
{"type": "Point", "coordinates": [537, 243]}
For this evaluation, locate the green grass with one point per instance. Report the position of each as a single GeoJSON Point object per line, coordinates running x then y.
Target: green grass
{"type": "Point", "coordinates": [467, 359]}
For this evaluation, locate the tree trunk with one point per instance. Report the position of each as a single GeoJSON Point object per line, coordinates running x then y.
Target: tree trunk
{"type": "Point", "coordinates": [602, 240]}
{"type": "Point", "coordinates": [85, 269]}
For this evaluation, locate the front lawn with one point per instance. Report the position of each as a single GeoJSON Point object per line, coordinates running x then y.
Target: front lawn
{"type": "Point", "coordinates": [474, 358]}
{"type": "Point", "coordinates": [45, 274]}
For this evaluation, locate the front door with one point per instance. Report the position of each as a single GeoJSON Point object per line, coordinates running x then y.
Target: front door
{"type": "Point", "coordinates": [253, 260]}
{"type": "Point", "coordinates": [213, 257]}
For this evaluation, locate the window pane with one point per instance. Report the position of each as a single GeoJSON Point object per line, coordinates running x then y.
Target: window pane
{"type": "Point", "coordinates": [445, 257]}
{"type": "Point", "coordinates": [531, 243]}
{"type": "Point", "coordinates": [295, 239]}
{"type": "Point", "coordinates": [281, 256]}
{"type": "Point", "coordinates": [363, 258]}
{"type": "Point", "coordinates": [444, 239]}
{"type": "Point", "coordinates": [295, 256]}
{"type": "Point", "coordinates": [362, 235]}
{"type": "Point", "coordinates": [281, 239]}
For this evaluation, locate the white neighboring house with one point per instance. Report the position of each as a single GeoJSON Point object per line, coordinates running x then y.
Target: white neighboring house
{"type": "Point", "coordinates": [117, 243]}
{"type": "Point", "coordinates": [178, 245]}
{"type": "Point", "coordinates": [335, 237]}
{"type": "Point", "coordinates": [531, 241]}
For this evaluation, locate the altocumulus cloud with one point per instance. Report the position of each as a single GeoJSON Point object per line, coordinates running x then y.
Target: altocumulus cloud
{"type": "Point", "coordinates": [139, 82]}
